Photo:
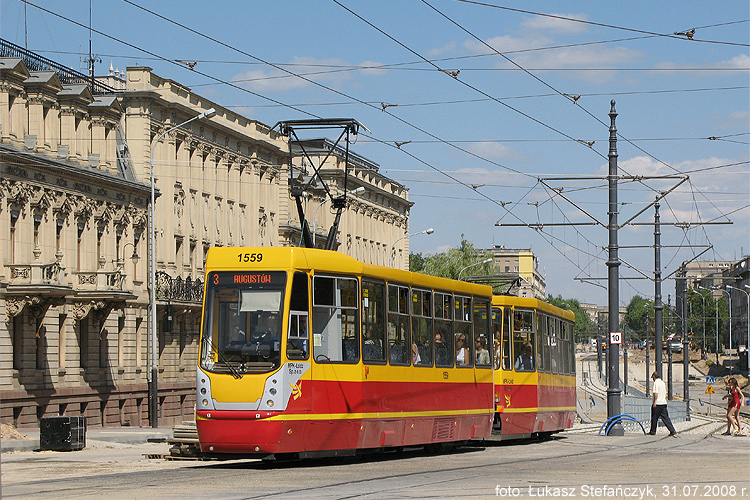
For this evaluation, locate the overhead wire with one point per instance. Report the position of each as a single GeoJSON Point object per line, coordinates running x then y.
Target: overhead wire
{"type": "Point", "coordinates": [612, 26]}
{"type": "Point", "coordinates": [545, 83]}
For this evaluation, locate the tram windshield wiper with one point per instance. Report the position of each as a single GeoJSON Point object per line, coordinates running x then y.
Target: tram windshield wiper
{"type": "Point", "coordinates": [236, 374]}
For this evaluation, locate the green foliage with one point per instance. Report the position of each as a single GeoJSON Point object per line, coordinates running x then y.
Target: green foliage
{"type": "Point", "coordinates": [450, 263]}
{"type": "Point", "coordinates": [416, 262]}
{"type": "Point", "coordinates": [639, 311]}
{"type": "Point", "coordinates": [584, 328]}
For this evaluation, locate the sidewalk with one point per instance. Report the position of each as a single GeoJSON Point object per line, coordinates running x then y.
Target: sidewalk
{"type": "Point", "coordinates": [95, 437]}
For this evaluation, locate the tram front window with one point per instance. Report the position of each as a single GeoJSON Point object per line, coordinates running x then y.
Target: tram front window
{"type": "Point", "coordinates": [242, 322]}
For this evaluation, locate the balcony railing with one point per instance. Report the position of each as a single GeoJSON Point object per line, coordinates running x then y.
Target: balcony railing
{"type": "Point", "coordinates": [99, 280]}
{"type": "Point", "coordinates": [37, 274]}
{"type": "Point", "coordinates": [178, 289]}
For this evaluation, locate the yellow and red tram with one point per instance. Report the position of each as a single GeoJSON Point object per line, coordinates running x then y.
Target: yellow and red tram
{"type": "Point", "coordinates": [534, 361]}
{"type": "Point", "coordinates": [306, 351]}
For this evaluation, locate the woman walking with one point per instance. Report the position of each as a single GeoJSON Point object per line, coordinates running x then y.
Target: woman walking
{"type": "Point", "coordinates": [735, 400]}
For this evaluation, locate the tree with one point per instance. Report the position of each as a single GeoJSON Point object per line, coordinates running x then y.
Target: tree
{"type": "Point", "coordinates": [584, 327]}
{"type": "Point", "coordinates": [450, 263]}
{"type": "Point", "coordinates": [416, 262]}
{"type": "Point", "coordinates": [639, 311]}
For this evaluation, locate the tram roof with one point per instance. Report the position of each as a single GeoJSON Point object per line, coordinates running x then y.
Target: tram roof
{"type": "Point", "coordinates": [328, 261]}
{"type": "Point", "coordinates": [532, 303]}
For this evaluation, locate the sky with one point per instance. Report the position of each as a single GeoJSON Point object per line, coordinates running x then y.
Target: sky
{"type": "Point", "coordinates": [494, 114]}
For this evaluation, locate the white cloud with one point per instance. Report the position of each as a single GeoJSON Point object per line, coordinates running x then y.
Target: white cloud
{"type": "Point", "coordinates": [330, 72]}
{"type": "Point", "coordinates": [448, 48]}
{"type": "Point", "coordinates": [492, 150]}
{"type": "Point", "coordinates": [561, 26]}
{"type": "Point", "coordinates": [584, 57]}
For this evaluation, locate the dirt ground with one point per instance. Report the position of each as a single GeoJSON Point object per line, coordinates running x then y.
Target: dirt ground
{"type": "Point", "coordinates": [7, 431]}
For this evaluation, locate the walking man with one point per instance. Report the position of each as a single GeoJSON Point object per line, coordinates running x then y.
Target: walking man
{"type": "Point", "coordinates": [659, 406]}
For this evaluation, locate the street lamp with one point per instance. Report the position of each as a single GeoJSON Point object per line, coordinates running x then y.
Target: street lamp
{"type": "Point", "coordinates": [729, 296]}
{"type": "Point", "coordinates": [153, 392]}
{"type": "Point", "coordinates": [703, 315]}
{"type": "Point", "coordinates": [485, 261]}
{"type": "Point", "coordinates": [748, 317]}
{"type": "Point", "coordinates": [393, 247]}
{"type": "Point", "coordinates": [359, 190]}
{"type": "Point", "coordinates": [716, 311]}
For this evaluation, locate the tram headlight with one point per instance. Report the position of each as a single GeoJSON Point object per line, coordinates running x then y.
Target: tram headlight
{"type": "Point", "coordinates": [272, 391]}
{"type": "Point", "coordinates": [203, 391]}
{"type": "Point", "coordinates": [269, 403]}
{"type": "Point", "coordinates": [205, 402]}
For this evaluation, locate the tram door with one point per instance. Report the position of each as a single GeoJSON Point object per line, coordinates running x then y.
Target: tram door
{"type": "Point", "coordinates": [298, 344]}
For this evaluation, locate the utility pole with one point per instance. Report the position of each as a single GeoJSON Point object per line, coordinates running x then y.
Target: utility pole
{"type": "Point", "coordinates": [613, 263]}
{"type": "Point", "coordinates": [669, 350]}
{"type": "Point", "coordinates": [685, 354]}
{"type": "Point", "coordinates": [658, 305]}
{"type": "Point", "coordinates": [648, 341]}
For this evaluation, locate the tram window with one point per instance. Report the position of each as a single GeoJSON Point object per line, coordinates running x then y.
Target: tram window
{"type": "Point", "coordinates": [507, 344]}
{"type": "Point", "coordinates": [497, 334]}
{"type": "Point", "coordinates": [554, 345]}
{"type": "Point", "coordinates": [568, 348]}
{"type": "Point", "coordinates": [373, 321]}
{"type": "Point", "coordinates": [444, 353]}
{"type": "Point", "coordinates": [541, 339]}
{"type": "Point", "coordinates": [481, 333]}
{"type": "Point", "coordinates": [462, 331]}
{"type": "Point", "coordinates": [242, 322]}
{"type": "Point", "coordinates": [399, 350]}
{"type": "Point", "coordinates": [547, 344]}
{"type": "Point", "coordinates": [297, 344]}
{"type": "Point", "coordinates": [334, 321]}
{"type": "Point", "coordinates": [523, 340]}
{"type": "Point", "coordinates": [421, 328]}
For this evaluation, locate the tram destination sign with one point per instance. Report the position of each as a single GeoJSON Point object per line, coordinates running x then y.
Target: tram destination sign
{"type": "Point", "coordinates": [246, 278]}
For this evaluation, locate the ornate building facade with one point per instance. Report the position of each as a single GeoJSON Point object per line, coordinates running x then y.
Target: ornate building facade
{"type": "Point", "coordinates": [75, 166]}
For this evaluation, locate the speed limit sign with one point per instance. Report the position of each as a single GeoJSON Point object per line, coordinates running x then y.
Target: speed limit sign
{"type": "Point", "coordinates": [615, 337]}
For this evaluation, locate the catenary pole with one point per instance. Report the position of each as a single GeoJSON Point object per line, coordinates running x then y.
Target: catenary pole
{"type": "Point", "coordinates": [658, 305]}
{"type": "Point", "coordinates": [613, 264]}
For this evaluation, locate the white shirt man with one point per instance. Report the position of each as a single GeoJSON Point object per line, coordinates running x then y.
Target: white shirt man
{"type": "Point", "coordinates": [659, 406]}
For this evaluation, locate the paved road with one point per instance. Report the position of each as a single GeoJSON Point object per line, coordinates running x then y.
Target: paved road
{"type": "Point", "coordinates": [700, 462]}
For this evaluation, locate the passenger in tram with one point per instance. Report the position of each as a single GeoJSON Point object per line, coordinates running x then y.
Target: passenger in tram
{"type": "Point", "coordinates": [525, 360]}
{"type": "Point", "coordinates": [415, 359]}
{"type": "Point", "coordinates": [237, 335]}
{"type": "Point", "coordinates": [498, 353]}
{"type": "Point", "coordinates": [267, 329]}
{"type": "Point", "coordinates": [463, 357]}
{"type": "Point", "coordinates": [483, 355]}
{"type": "Point", "coordinates": [442, 356]}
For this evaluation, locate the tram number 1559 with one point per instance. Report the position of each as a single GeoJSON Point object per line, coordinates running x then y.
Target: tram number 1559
{"type": "Point", "coordinates": [250, 257]}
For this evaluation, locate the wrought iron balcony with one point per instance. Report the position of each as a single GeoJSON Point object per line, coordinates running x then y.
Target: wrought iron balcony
{"type": "Point", "coordinates": [178, 289]}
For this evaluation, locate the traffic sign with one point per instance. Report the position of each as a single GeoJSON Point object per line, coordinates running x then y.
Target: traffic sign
{"type": "Point", "coordinates": [710, 390]}
{"type": "Point", "coordinates": [615, 338]}
{"type": "Point", "coordinates": [710, 380]}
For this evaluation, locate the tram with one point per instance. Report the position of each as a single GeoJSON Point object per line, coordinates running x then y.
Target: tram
{"type": "Point", "coordinates": [306, 352]}
{"type": "Point", "coordinates": [535, 376]}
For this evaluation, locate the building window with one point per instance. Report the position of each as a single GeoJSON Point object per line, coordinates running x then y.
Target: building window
{"type": "Point", "coordinates": [41, 345]}
{"type": "Point", "coordinates": [83, 342]}
{"type": "Point", "coordinates": [18, 342]}
{"type": "Point", "coordinates": [37, 223]}
{"type": "Point", "coordinates": [103, 346]}
{"type": "Point", "coordinates": [60, 223]}
{"type": "Point", "coordinates": [13, 219]}
{"type": "Point", "coordinates": [79, 246]}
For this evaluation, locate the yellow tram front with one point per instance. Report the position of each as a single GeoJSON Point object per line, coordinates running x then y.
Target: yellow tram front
{"type": "Point", "coordinates": [306, 350]}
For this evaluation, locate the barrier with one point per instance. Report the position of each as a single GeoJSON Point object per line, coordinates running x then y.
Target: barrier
{"type": "Point", "coordinates": [619, 419]}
